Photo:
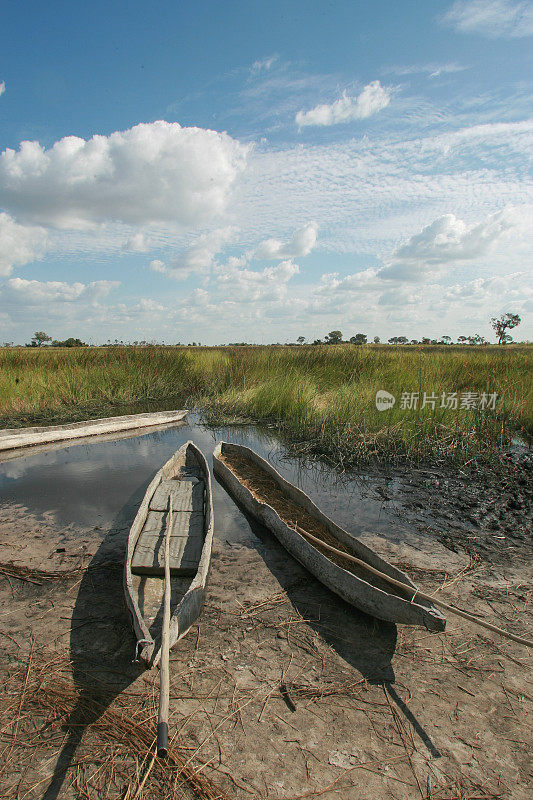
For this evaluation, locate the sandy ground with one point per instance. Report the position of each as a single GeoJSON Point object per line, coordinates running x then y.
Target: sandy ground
{"type": "Point", "coordinates": [281, 691]}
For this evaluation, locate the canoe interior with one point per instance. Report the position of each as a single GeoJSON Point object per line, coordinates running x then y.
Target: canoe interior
{"type": "Point", "coordinates": [186, 477]}
{"type": "Point", "coordinates": [266, 489]}
{"type": "Point", "coordinates": [149, 591]}
{"type": "Point", "coordinates": [186, 487]}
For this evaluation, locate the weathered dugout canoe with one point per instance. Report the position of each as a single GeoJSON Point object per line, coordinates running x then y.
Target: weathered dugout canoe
{"type": "Point", "coordinates": [358, 587]}
{"type": "Point", "coordinates": [117, 436]}
{"type": "Point", "coordinates": [14, 438]}
{"type": "Point", "coordinates": [185, 476]}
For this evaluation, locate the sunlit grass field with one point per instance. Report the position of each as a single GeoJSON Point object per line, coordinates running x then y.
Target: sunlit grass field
{"type": "Point", "coordinates": [322, 398]}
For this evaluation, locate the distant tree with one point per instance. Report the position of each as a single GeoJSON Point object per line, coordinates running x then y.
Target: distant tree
{"type": "Point", "coordinates": [426, 340]}
{"type": "Point", "coordinates": [376, 340]}
{"type": "Point", "coordinates": [504, 323]}
{"type": "Point", "coordinates": [39, 338]}
{"type": "Point", "coordinates": [300, 339]}
{"type": "Point", "coordinates": [415, 341]}
{"type": "Point", "coordinates": [359, 338]}
{"type": "Point", "coordinates": [70, 342]}
{"type": "Point", "coordinates": [334, 337]}
{"type": "Point", "coordinates": [318, 341]}
{"type": "Point", "coordinates": [446, 340]}
{"type": "Point", "coordinates": [461, 339]}
{"type": "Point", "coordinates": [398, 340]}
{"type": "Point", "coordinates": [474, 339]}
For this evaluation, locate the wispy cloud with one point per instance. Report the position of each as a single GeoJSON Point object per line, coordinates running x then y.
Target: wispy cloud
{"type": "Point", "coordinates": [431, 70]}
{"type": "Point", "coordinates": [372, 99]}
{"type": "Point", "coordinates": [2, 87]}
{"type": "Point", "coordinates": [367, 193]}
{"type": "Point", "coordinates": [264, 64]}
{"type": "Point", "coordinates": [491, 18]}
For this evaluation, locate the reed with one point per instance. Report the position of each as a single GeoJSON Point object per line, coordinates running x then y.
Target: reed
{"type": "Point", "coordinates": [322, 398]}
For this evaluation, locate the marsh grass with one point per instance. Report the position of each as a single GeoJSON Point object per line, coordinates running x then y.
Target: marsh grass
{"type": "Point", "coordinates": [322, 398]}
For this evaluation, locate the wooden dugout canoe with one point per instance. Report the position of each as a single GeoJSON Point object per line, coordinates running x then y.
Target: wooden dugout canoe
{"type": "Point", "coordinates": [12, 438]}
{"type": "Point", "coordinates": [100, 438]}
{"type": "Point", "coordinates": [186, 477]}
{"type": "Point", "coordinates": [279, 506]}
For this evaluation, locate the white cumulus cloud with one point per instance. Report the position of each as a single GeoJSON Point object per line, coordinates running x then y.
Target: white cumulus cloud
{"type": "Point", "coordinates": [199, 256]}
{"type": "Point", "coordinates": [137, 243]}
{"type": "Point", "coordinates": [301, 244]}
{"type": "Point", "coordinates": [19, 244]}
{"type": "Point", "coordinates": [62, 309]}
{"type": "Point", "coordinates": [201, 253]}
{"type": "Point", "coordinates": [247, 285]}
{"type": "Point", "coordinates": [2, 87]}
{"type": "Point", "coordinates": [153, 172]}
{"type": "Point", "coordinates": [491, 18]}
{"type": "Point", "coordinates": [158, 266]}
{"type": "Point", "coordinates": [372, 99]}
{"type": "Point", "coordinates": [36, 293]}
{"type": "Point", "coordinates": [445, 241]}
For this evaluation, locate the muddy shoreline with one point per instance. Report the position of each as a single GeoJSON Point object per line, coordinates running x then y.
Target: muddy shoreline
{"type": "Point", "coordinates": [378, 710]}
{"type": "Point", "coordinates": [482, 510]}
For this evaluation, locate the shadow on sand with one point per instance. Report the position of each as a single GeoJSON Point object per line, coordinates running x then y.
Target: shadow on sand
{"type": "Point", "coordinates": [102, 644]}
{"type": "Point", "coordinates": [366, 643]}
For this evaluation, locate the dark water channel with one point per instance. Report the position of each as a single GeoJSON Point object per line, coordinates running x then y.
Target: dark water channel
{"type": "Point", "coordinates": [86, 484]}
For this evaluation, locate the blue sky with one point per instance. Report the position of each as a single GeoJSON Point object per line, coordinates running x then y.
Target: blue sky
{"type": "Point", "coordinates": [258, 171]}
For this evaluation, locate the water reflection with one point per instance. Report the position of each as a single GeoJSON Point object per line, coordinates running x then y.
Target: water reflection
{"type": "Point", "coordinates": [84, 484]}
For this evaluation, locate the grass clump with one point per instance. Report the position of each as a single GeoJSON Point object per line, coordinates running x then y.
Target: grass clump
{"type": "Point", "coordinates": [322, 398]}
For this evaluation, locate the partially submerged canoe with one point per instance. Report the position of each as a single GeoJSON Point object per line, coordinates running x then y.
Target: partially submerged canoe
{"type": "Point", "coordinates": [100, 438]}
{"type": "Point", "coordinates": [280, 506]}
{"type": "Point", "coordinates": [11, 438]}
{"type": "Point", "coordinates": [186, 478]}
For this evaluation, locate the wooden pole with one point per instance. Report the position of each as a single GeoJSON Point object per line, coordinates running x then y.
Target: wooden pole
{"type": "Point", "coordinates": [414, 591]}
{"type": "Point", "coordinates": [164, 669]}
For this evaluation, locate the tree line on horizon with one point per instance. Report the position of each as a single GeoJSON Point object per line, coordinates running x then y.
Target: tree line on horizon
{"type": "Point", "coordinates": [500, 325]}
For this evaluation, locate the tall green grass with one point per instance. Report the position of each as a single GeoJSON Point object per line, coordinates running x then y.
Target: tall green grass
{"type": "Point", "coordinates": [322, 398]}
